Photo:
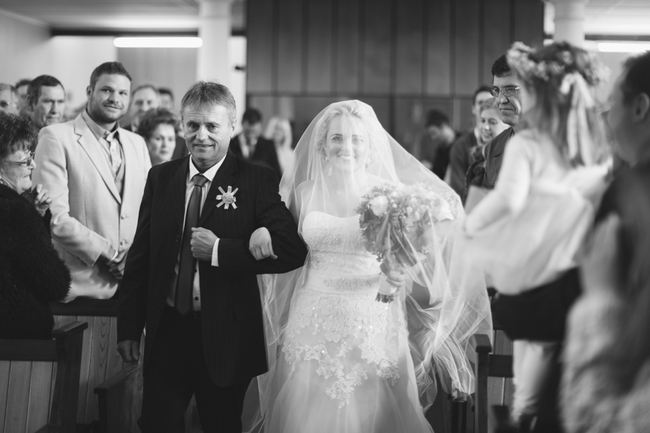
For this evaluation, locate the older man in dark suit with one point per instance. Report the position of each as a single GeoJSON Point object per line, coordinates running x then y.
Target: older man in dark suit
{"type": "Point", "coordinates": [190, 278]}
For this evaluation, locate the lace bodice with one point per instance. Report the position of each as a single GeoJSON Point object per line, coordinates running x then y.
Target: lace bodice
{"type": "Point", "coordinates": [338, 260]}
{"type": "Point", "coordinates": [335, 320]}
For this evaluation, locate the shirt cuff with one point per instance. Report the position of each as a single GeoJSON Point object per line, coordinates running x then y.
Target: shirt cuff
{"type": "Point", "coordinates": [215, 254]}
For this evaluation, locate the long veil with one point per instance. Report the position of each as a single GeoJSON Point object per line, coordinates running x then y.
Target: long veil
{"type": "Point", "coordinates": [446, 300]}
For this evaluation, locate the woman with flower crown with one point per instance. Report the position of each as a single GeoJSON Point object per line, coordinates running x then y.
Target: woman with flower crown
{"type": "Point", "coordinates": [340, 360]}
{"type": "Point", "coordinates": [528, 231]}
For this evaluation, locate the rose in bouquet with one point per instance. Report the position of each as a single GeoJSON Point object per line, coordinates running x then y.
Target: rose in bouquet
{"type": "Point", "coordinates": [395, 222]}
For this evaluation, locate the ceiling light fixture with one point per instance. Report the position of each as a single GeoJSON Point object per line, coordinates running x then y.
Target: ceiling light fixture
{"type": "Point", "coordinates": [158, 42]}
{"type": "Point", "coordinates": [623, 46]}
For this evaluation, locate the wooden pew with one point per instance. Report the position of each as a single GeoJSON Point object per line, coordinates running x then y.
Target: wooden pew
{"type": "Point", "coordinates": [120, 402]}
{"type": "Point", "coordinates": [19, 378]}
{"type": "Point", "coordinates": [100, 359]}
{"type": "Point", "coordinates": [488, 365]}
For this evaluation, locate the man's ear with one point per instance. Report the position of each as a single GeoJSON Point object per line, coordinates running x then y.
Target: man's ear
{"type": "Point", "coordinates": [88, 91]}
{"type": "Point", "coordinates": [641, 107]}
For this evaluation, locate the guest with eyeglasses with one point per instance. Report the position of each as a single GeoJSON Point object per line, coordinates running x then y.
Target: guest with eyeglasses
{"type": "Point", "coordinates": [31, 273]}
{"type": "Point", "coordinates": [483, 174]}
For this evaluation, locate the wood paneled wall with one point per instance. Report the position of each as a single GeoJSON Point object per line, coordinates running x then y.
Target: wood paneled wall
{"type": "Point", "coordinates": [401, 56]}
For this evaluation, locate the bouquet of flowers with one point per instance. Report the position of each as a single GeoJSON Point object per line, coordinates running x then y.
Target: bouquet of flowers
{"type": "Point", "coordinates": [395, 221]}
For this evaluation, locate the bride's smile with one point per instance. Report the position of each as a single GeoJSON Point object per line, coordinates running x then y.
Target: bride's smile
{"type": "Point", "coordinates": [346, 146]}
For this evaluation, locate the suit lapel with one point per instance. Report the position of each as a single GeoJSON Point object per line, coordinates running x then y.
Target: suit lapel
{"type": "Point", "coordinates": [225, 177]}
{"type": "Point", "coordinates": [131, 164]}
{"type": "Point", "coordinates": [93, 149]}
{"type": "Point", "coordinates": [177, 188]}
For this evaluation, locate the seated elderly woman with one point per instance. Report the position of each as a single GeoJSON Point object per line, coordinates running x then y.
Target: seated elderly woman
{"type": "Point", "coordinates": [31, 273]}
{"type": "Point", "coordinates": [159, 127]}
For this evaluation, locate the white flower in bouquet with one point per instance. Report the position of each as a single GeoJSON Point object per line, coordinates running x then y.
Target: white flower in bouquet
{"type": "Point", "coordinates": [379, 205]}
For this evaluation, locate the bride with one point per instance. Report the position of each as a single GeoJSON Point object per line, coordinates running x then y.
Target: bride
{"type": "Point", "coordinates": [340, 361]}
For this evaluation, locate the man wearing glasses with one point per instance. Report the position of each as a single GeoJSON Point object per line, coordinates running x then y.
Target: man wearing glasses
{"type": "Point", "coordinates": [506, 88]}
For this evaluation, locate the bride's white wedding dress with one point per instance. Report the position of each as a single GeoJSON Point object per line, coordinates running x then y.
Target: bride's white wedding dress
{"type": "Point", "coordinates": [344, 363]}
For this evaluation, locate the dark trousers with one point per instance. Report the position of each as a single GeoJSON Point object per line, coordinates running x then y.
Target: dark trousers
{"type": "Point", "coordinates": [175, 371]}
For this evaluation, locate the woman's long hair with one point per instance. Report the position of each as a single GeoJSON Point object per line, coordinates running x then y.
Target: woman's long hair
{"type": "Point", "coordinates": [632, 204]}
{"type": "Point", "coordinates": [563, 78]}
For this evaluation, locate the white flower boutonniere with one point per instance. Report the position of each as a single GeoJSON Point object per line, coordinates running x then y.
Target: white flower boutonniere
{"type": "Point", "coordinates": [227, 198]}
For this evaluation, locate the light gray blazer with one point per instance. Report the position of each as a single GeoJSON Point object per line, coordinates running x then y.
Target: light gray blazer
{"type": "Point", "coordinates": [88, 213]}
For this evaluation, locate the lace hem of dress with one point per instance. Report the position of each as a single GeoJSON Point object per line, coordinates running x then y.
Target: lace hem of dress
{"type": "Point", "coordinates": [349, 338]}
{"type": "Point", "coordinates": [345, 377]}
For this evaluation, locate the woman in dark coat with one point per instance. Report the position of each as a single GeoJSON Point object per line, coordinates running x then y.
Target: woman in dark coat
{"type": "Point", "coordinates": [31, 273]}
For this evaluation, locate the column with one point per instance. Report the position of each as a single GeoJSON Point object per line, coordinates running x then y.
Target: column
{"type": "Point", "coordinates": [214, 29]}
{"type": "Point", "coordinates": [569, 21]}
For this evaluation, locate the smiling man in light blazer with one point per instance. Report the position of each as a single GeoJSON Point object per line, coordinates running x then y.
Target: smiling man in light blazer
{"type": "Point", "coordinates": [95, 172]}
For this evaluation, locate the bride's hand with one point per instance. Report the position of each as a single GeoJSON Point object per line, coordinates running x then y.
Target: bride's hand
{"type": "Point", "coordinates": [395, 278]}
{"type": "Point", "coordinates": [260, 244]}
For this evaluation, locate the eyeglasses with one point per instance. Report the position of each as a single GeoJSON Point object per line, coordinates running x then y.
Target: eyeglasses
{"type": "Point", "coordinates": [507, 91]}
{"type": "Point", "coordinates": [5, 105]}
{"type": "Point", "coordinates": [25, 162]}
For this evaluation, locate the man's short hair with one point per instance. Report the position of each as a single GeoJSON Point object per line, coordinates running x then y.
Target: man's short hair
{"type": "Point", "coordinates": [166, 91]}
{"type": "Point", "coordinates": [252, 116]}
{"type": "Point", "coordinates": [34, 89]}
{"type": "Point", "coordinates": [22, 82]}
{"type": "Point", "coordinates": [206, 94]}
{"type": "Point", "coordinates": [436, 118]}
{"type": "Point", "coordinates": [109, 68]}
{"type": "Point", "coordinates": [484, 88]}
{"type": "Point", "coordinates": [500, 67]}
{"type": "Point", "coordinates": [144, 86]}
{"type": "Point", "coordinates": [16, 133]}
{"type": "Point", "coordinates": [637, 76]}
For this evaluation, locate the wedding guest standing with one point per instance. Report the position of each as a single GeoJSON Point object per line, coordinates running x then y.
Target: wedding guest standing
{"type": "Point", "coordinates": [21, 87]}
{"type": "Point", "coordinates": [143, 98]}
{"type": "Point", "coordinates": [45, 101]}
{"type": "Point", "coordinates": [251, 146]}
{"type": "Point", "coordinates": [279, 132]}
{"type": "Point", "coordinates": [434, 146]}
{"type": "Point", "coordinates": [31, 273]}
{"type": "Point", "coordinates": [8, 99]}
{"type": "Point", "coordinates": [506, 87]}
{"type": "Point", "coordinates": [460, 156]}
{"type": "Point", "coordinates": [159, 128]}
{"type": "Point", "coordinates": [95, 172]}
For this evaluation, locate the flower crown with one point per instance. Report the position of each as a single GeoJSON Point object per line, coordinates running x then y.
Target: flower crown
{"type": "Point", "coordinates": [522, 59]}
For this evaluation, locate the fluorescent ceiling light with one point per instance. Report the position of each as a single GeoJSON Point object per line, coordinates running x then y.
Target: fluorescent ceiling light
{"type": "Point", "coordinates": [158, 42]}
{"type": "Point", "coordinates": [623, 46]}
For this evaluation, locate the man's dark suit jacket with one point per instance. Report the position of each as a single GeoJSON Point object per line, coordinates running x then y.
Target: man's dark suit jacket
{"type": "Point", "coordinates": [460, 159]}
{"type": "Point", "coordinates": [231, 313]}
{"type": "Point", "coordinates": [494, 157]}
{"type": "Point", "coordinates": [264, 153]}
